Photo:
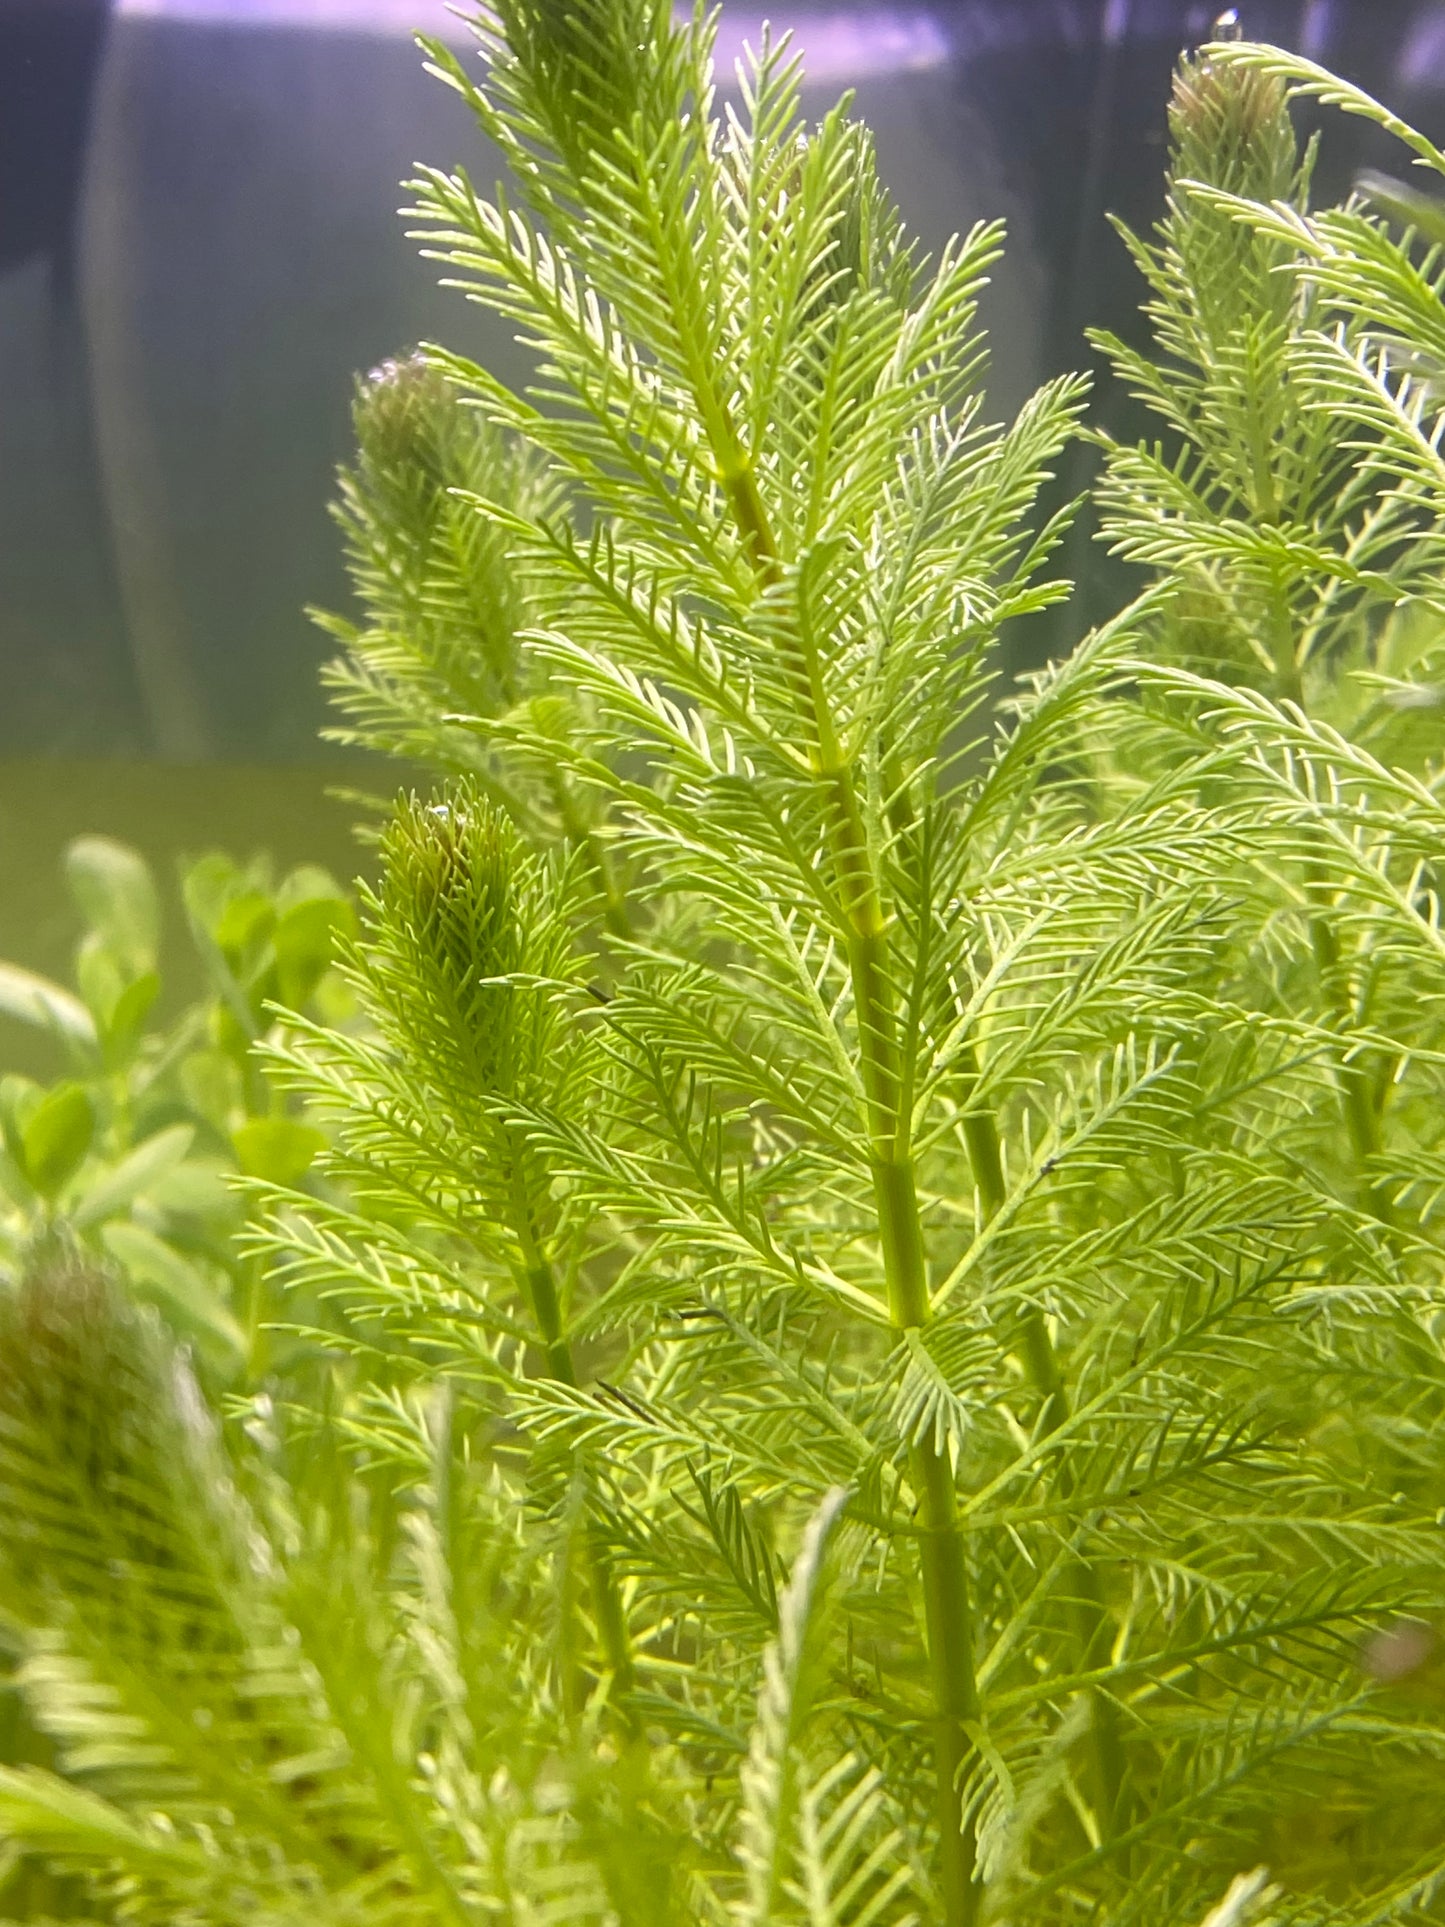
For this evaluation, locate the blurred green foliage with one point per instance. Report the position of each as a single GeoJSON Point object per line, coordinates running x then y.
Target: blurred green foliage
{"type": "Point", "coordinates": [129, 1153]}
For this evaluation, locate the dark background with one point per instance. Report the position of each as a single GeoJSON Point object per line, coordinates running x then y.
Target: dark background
{"type": "Point", "coordinates": [198, 247]}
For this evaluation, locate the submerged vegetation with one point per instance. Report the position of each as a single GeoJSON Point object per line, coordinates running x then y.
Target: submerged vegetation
{"type": "Point", "coordinates": [865, 1342]}
{"type": "Point", "coordinates": [125, 1155]}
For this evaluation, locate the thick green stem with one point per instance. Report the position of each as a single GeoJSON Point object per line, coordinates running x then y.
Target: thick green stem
{"type": "Point", "coordinates": [948, 1616]}
{"type": "Point", "coordinates": [752, 518]}
{"type": "Point", "coordinates": [901, 1234]}
{"type": "Point", "coordinates": [948, 1612]}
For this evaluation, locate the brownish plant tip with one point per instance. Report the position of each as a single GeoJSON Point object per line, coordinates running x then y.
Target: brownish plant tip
{"type": "Point", "coordinates": [401, 413]}
{"type": "Point", "coordinates": [1229, 107]}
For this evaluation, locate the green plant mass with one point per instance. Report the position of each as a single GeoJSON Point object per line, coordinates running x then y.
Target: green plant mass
{"type": "Point", "coordinates": [864, 1346]}
{"type": "Point", "coordinates": [126, 1156]}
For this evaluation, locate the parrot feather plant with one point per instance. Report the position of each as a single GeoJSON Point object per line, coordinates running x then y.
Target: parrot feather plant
{"type": "Point", "coordinates": [1295, 531]}
{"type": "Point", "coordinates": [839, 1395]}
{"type": "Point", "coordinates": [1301, 550]}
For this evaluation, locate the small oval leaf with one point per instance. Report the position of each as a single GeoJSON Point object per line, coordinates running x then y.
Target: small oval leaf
{"type": "Point", "coordinates": [277, 1149]}
{"type": "Point", "coordinates": [147, 1163]}
{"type": "Point", "coordinates": [36, 1000]}
{"type": "Point", "coordinates": [56, 1138]}
{"type": "Point", "coordinates": [160, 1274]}
{"type": "Point", "coordinates": [116, 894]}
{"type": "Point", "coordinates": [126, 1022]}
{"type": "Point", "coordinates": [305, 939]}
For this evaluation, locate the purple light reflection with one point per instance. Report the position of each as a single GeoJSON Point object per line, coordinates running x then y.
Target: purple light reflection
{"type": "Point", "coordinates": [1316, 28]}
{"type": "Point", "coordinates": [838, 45]}
{"type": "Point", "coordinates": [1422, 59]}
{"type": "Point", "coordinates": [384, 17]}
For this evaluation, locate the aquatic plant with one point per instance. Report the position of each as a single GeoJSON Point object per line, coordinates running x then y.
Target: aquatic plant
{"type": "Point", "coordinates": [879, 1353]}
{"type": "Point", "coordinates": [127, 1153]}
{"type": "Point", "coordinates": [1297, 528]}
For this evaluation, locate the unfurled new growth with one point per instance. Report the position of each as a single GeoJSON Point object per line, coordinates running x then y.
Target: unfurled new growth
{"type": "Point", "coordinates": [871, 1307]}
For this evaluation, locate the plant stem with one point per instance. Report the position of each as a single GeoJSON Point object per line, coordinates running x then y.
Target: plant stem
{"type": "Point", "coordinates": [258, 1309]}
{"type": "Point", "coordinates": [541, 1288]}
{"type": "Point", "coordinates": [614, 905]}
{"type": "Point", "coordinates": [537, 1278]}
{"type": "Point", "coordinates": [948, 1613]}
{"type": "Point", "coordinates": [1357, 1100]}
{"type": "Point", "coordinates": [1088, 1610]}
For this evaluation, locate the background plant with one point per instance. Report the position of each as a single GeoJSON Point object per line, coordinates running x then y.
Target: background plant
{"type": "Point", "coordinates": [126, 1155]}
{"type": "Point", "coordinates": [1298, 537]}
